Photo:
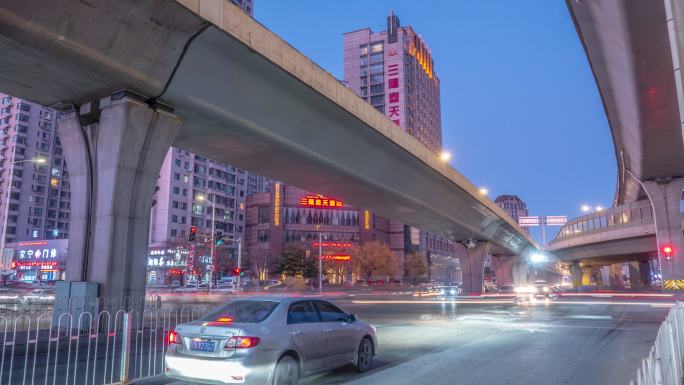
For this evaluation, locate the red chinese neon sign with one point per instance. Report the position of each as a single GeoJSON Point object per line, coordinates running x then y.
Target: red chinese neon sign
{"type": "Point", "coordinates": [320, 201]}
{"type": "Point", "coordinates": [340, 245]}
{"type": "Point", "coordinates": [337, 257]}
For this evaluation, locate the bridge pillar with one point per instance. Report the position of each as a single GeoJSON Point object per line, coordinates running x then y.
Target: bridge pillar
{"type": "Point", "coordinates": [616, 276]}
{"type": "Point", "coordinates": [634, 275]}
{"type": "Point", "coordinates": [665, 196]}
{"type": "Point", "coordinates": [472, 266]}
{"type": "Point", "coordinates": [114, 149]}
{"type": "Point", "coordinates": [576, 274]}
{"type": "Point", "coordinates": [503, 268]}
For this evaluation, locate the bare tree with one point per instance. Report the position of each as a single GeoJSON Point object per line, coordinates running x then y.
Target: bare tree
{"type": "Point", "coordinates": [415, 266]}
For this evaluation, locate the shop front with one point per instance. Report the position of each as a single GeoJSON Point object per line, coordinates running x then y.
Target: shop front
{"type": "Point", "coordinates": [166, 266]}
{"type": "Point", "coordinates": [40, 260]}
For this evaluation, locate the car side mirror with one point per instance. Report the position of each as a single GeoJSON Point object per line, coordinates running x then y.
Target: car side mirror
{"type": "Point", "coordinates": [352, 317]}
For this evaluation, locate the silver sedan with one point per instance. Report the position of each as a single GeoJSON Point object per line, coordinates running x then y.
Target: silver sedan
{"type": "Point", "coordinates": [269, 341]}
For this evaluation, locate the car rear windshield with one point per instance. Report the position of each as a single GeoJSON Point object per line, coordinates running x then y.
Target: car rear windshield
{"type": "Point", "coordinates": [242, 311]}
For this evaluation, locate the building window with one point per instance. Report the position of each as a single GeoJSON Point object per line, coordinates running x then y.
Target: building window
{"type": "Point", "coordinates": [176, 176]}
{"type": "Point", "coordinates": [364, 60]}
{"type": "Point", "coordinates": [364, 81]}
{"type": "Point", "coordinates": [364, 71]}
{"type": "Point", "coordinates": [376, 47]}
{"type": "Point", "coordinates": [380, 108]}
{"type": "Point", "coordinates": [174, 218]}
{"type": "Point", "coordinates": [377, 78]}
{"type": "Point", "coordinates": [174, 204]}
{"type": "Point", "coordinates": [177, 162]}
{"type": "Point", "coordinates": [377, 89]}
{"type": "Point", "coordinates": [263, 214]}
{"type": "Point", "coordinates": [376, 69]}
{"type": "Point", "coordinates": [262, 236]}
{"type": "Point", "coordinates": [176, 190]}
{"type": "Point", "coordinates": [377, 57]}
{"type": "Point", "coordinates": [35, 233]}
{"type": "Point", "coordinates": [377, 99]}
{"type": "Point", "coordinates": [364, 92]}
{"type": "Point", "coordinates": [197, 209]}
{"type": "Point", "coordinates": [364, 49]}
{"type": "Point", "coordinates": [174, 233]}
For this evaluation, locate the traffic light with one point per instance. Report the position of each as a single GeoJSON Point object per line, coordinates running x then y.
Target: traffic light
{"type": "Point", "coordinates": [193, 234]}
{"type": "Point", "coordinates": [667, 250]}
{"type": "Point", "coordinates": [217, 238]}
{"type": "Point", "coordinates": [236, 271]}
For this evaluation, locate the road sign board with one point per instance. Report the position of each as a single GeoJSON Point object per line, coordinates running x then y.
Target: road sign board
{"type": "Point", "coordinates": [556, 220]}
{"type": "Point", "coordinates": [529, 221]}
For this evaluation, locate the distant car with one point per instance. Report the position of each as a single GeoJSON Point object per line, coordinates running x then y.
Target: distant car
{"type": "Point", "coordinates": [187, 288]}
{"type": "Point", "coordinates": [39, 296]}
{"type": "Point", "coordinates": [507, 289]}
{"type": "Point", "coordinates": [7, 296]}
{"type": "Point", "coordinates": [539, 289]}
{"type": "Point", "coordinates": [449, 291]}
{"type": "Point", "coordinates": [268, 340]}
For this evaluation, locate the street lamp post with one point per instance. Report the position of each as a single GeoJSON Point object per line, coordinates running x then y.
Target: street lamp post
{"type": "Point", "coordinates": [7, 201]}
{"type": "Point", "coordinates": [211, 238]}
{"type": "Point", "coordinates": [320, 262]}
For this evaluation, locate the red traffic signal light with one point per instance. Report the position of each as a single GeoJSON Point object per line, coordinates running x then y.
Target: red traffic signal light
{"type": "Point", "coordinates": [236, 271]}
{"type": "Point", "coordinates": [193, 234]}
{"type": "Point", "coordinates": [667, 250]}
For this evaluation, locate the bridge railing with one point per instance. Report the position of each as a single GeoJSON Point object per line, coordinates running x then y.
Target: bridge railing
{"type": "Point", "coordinates": [663, 365]}
{"type": "Point", "coordinates": [629, 215]}
{"type": "Point", "coordinates": [73, 348]}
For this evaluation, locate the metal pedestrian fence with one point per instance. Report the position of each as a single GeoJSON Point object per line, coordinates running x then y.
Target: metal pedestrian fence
{"type": "Point", "coordinates": [87, 348]}
{"type": "Point", "coordinates": [664, 365]}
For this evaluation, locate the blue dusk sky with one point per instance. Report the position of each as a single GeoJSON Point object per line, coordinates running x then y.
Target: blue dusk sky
{"type": "Point", "coordinates": [520, 110]}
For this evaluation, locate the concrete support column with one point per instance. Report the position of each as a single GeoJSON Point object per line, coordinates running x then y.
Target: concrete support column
{"type": "Point", "coordinates": [616, 276]}
{"type": "Point", "coordinates": [503, 268]}
{"type": "Point", "coordinates": [587, 273]}
{"type": "Point", "coordinates": [634, 275]}
{"type": "Point", "coordinates": [472, 267]}
{"type": "Point", "coordinates": [576, 275]}
{"type": "Point", "coordinates": [665, 196]}
{"type": "Point", "coordinates": [605, 276]}
{"type": "Point", "coordinates": [645, 273]}
{"type": "Point", "coordinates": [114, 161]}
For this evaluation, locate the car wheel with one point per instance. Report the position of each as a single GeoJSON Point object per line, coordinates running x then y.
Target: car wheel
{"type": "Point", "coordinates": [286, 372]}
{"type": "Point", "coordinates": [364, 356]}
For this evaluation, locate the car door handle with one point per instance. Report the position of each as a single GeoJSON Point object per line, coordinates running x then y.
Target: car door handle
{"type": "Point", "coordinates": [329, 330]}
{"type": "Point", "coordinates": [296, 332]}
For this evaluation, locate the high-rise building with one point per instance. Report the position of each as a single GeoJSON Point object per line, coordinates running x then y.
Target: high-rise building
{"type": "Point", "coordinates": [246, 5]}
{"type": "Point", "coordinates": [258, 183]}
{"type": "Point", "coordinates": [513, 206]}
{"type": "Point", "coordinates": [394, 71]}
{"type": "Point", "coordinates": [39, 203]}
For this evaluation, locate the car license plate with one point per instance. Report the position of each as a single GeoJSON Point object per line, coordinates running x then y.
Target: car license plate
{"type": "Point", "coordinates": [203, 346]}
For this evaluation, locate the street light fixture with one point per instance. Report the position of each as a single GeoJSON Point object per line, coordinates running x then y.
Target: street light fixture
{"type": "Point", "coordinates": [538, 258]}
{"type": "Point", "coordinates": [445, 156]}
{"type": "Point", "coordinates": [484, 191]}
{"type": "Point", "coordinates": [590, 209]}
{"type": "Point", "coordinates": [38, 160]}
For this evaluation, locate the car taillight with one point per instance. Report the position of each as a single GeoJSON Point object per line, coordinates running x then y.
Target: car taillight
{"type": "Point", "coordinates": [238, 342]}
{"type": "Point", "coordinates": [173, 338]}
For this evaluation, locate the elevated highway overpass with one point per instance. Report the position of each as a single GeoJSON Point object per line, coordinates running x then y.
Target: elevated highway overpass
{"type": "Point", "coordinates": [139, 76]}
{"type": "Point", "coordinates": [634, 49]}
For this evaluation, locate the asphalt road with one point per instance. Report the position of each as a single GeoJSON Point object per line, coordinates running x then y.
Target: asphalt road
{"type": "Point", "coordinates": [573, 341]}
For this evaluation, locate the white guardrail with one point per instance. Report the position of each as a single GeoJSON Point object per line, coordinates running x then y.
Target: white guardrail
{"type": "Point", "coordinates": [663, 366]}
{"type": "Point", "coordinates": [87, 348]}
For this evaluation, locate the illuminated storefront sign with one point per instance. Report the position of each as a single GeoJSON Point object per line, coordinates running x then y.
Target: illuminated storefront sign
{"type": "Point", "coordinates": [340, 245]}
{"type": "Point", "coordinates": [276, 204]}
{"type": "Point", "coordinates": [366, 220]}
{"type": "Point", "coordinates": [40, 255]}
{"type": "Point", "coordinates": [337, 257]}
{"type": "Point", "coordinates": [36, 265]}
{"type": "Point", "coordinates": [320, 201]}
{"type": "Point", "coordinates": [168, 257]}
